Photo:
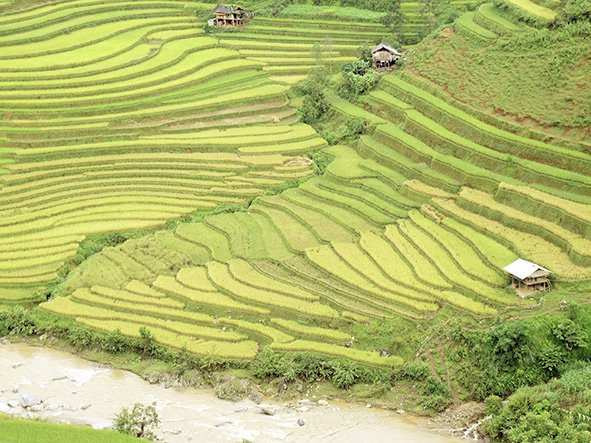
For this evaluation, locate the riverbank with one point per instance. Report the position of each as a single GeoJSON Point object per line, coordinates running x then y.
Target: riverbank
{"type": "Point", "coordinates": [62, 387]}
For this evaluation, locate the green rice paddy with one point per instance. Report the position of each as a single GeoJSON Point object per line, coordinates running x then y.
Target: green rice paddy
{"type": "Point", "coordinates": [151, 124]}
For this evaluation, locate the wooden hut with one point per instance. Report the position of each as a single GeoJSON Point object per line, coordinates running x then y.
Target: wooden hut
{"type": "Point", "coordinates": [528, 278]}
{"type": "Point", "coordinates": [228, 16]}
{"type": "Point", "coordinates": [384, 57]}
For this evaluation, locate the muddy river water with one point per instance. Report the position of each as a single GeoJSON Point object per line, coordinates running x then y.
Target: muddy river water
{"type": "Point", "coordinates": [62, 387]}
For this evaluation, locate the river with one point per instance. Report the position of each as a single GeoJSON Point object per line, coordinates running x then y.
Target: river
{"type": "Point", "coordinates": [78, 391]}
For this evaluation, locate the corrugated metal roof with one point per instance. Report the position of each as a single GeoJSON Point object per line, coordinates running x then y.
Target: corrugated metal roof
{"type": "Point", "coordinates": [522, 268]}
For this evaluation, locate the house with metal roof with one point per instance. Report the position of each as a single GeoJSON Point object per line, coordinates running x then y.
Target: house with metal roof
{"type": "Point", "coordinates": [527, 277]}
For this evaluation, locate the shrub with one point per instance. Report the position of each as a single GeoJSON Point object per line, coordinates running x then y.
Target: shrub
{"type": "Point", "coordinates": [321, 162]}
{"type": "Point", "coordinates": [269, 364]}
{"type": "Point", "coordinates": [413, 371]}
{"type": "Point", "coordinates": [573, 11]}
{"type": "Point", "coordinates": [550, 358]}
{"type": "Point", "coordinates": [358, 79]}
{"type": "Point", "coordinates": [576, 381]}
{"type": "Point", "coordinates": [312, 367]}
{"type": "Point", "coordinates": [493, 404]}
{"type": "Point", "coordinates": [315, 105]}
{"type": "Point", "coordinates": [114, 342]}
{"type": "Point", "coordinates": [346, 130]}
{"type": "Point", "coordinates": [146, 342]}
{"type": "Point", "coordinates": [80, 337]}
{"type": "Point", "coordinates": [509, 341]}
{"type": "Point", "coordinates": [345, 374]}
{"type": "Point", "coordinates": [569, 334]}
{"type": "Point", "coordinates": [18, 321]}
{"type": "Point", "coordinates": [139, 421]}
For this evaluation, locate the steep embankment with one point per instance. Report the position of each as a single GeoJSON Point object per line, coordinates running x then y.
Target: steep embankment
{"type": "Point", "coordinates": [512, 72]}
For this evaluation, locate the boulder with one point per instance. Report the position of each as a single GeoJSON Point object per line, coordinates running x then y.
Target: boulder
{"type": "Point", "coordinates": [28, 400]}
{"type": "Point", "coordinates": [265, 410]}
{"type": "Point", "coordinates": [301, 422]}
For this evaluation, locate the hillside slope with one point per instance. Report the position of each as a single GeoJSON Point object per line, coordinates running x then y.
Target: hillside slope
{"type": "Point", "coordinates": [533, 78]}
{"type": "Point", "coordinates": [421, 213]}
{"type": "Point", "coordinates": [411, 222]}
{"type": "Point", "coordinates": [122, 128]}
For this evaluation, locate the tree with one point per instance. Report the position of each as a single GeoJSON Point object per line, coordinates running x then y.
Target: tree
{"type": "Point", "coordinates": [140, 421]}
{"type": "Point", "coordinates": [315, 104]}
{"type": "Point", "coordinates": [358, 79]}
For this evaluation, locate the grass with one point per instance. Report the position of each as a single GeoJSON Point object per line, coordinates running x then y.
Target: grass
{"type": "Point", "coordinates": [220, 275]}
{"type": "Point", "coordinates": [17, 430]}
{"type": "Point", "coordinates": [576, 246]}
{"type": "Point", "coordinates": [488, 83]}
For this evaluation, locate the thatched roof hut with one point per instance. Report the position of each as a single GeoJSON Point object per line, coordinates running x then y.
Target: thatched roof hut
{"type": "Point", "coordinates": [384, 56]}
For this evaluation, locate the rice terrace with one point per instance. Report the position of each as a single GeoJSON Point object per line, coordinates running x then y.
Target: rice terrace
{"type": "Point", "coordinates": [385, 202]}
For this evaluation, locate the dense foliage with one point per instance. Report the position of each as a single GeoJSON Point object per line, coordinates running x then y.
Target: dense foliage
{"type": "Point", "coordinates": [521, 352]}
{"type": "Point", "coordinates": [358, 79]}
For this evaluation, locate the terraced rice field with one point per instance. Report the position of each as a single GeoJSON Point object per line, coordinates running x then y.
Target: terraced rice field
{"type": "Point", "coordinates": [413, 28]}
{"type": "Point", "coordinates": [290, 49]}
{"type": "Point", "coordinates": [130, 125]}
{"type": "Point", "coordinates": [422, 213]}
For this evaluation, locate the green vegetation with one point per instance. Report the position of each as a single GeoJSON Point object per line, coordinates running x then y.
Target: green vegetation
{"type": "Point", "coordinates": [158, 190]}
{"type": "Point", "coordinates": [140, 421]}
{"type": "Point", "coordinates": [16, 430]}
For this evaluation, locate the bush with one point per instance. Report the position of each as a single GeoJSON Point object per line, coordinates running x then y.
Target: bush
{"type": "Point", "coordinates": [312, 367]}
{"type": "Point", "coordinates": [345, 374]}
{"type": "Point", "coordinates": [146, 342]}
{"type": "Point", "coordinates": [17, 321]}
{"type": "Point", "coordinates": [114, 342]}
{"type": "Point", "coordinates": [576, 381]}
{"type": "Point", "coordinates": [413, 371]}
{"type": "Point", "coordinates": [269, 364]}
{"type": "Point", "coordinates": [569, 334]}
{"type": "Point", "coordinates": [321, 162]}
{"type": "Point", "coordinates": [358, 79]}
{"type": "Point", "coordinates": [493, 404]}
{"type": "Point", "coordinates": [140, 421]}
{"type": "Point", "coordinates": [345, 130]}
{"type": "Point", "coordinates": [538, 415]}
{"type": "Point", "coordinates": [574, 11]}
{"type": "Point", "coordinates": [315, 105]}
{"type": "Point", "coordinates": [79, 337]}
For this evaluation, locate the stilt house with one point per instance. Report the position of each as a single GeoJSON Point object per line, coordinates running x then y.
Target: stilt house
{"type": "Point", "coordinates": [229, 16]}
{"type": "Point", "coordinates": [527, 277]}
{"type": "Point", "coordinates": [384, 57]}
